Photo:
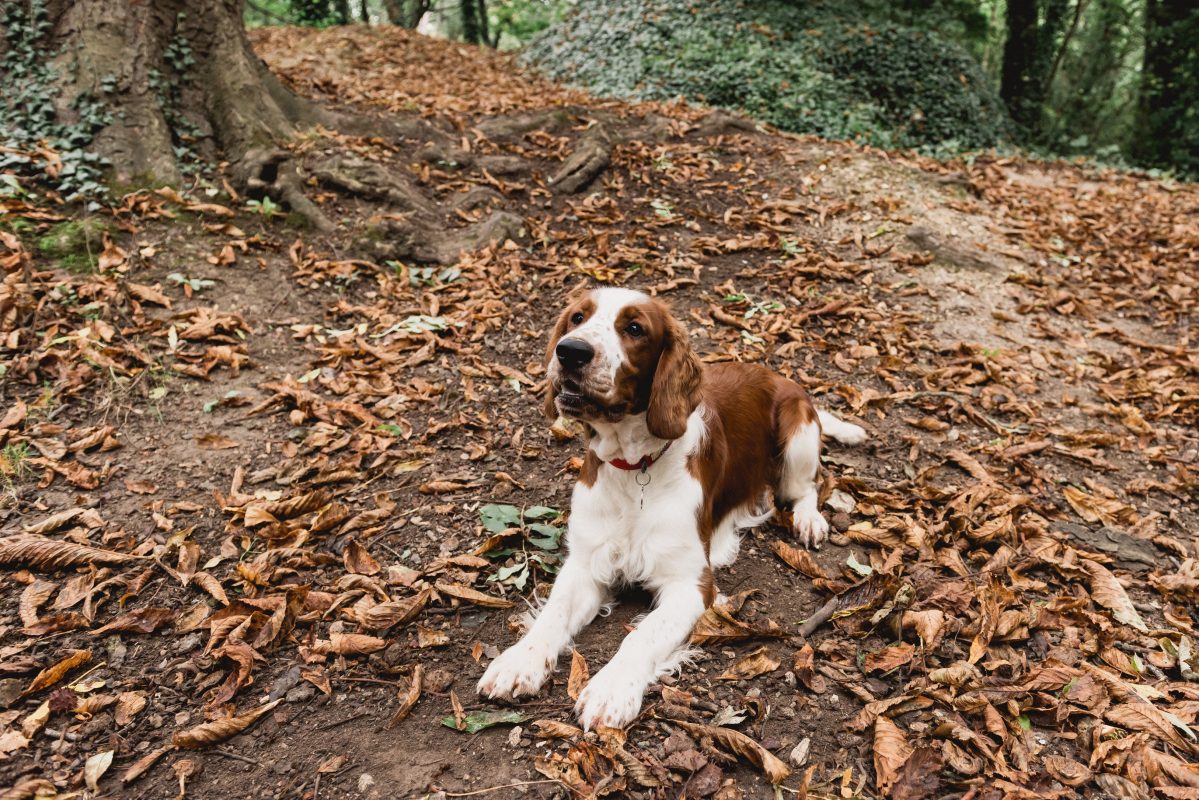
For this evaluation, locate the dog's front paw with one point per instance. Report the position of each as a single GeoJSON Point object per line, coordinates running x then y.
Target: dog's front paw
{"type": "Point", "coordinates": [519, 670]}
{"type": "Point", "coordinates": [612, 698]}
{"type": "Point", "coordinates": [811, 528]}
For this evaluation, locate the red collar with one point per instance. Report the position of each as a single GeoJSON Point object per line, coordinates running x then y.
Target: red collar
{"type": "Point", "coordinates": [643, 464]}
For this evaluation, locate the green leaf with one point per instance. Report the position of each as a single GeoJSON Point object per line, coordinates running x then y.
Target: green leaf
{"type": "Point", "coordinates": [551, 536]}
{"type": "Point", "coordinates": [394, 430]}
{"type": "Point", "coordinates": [499, 518]}
{"type": "Point", "coordinates": [479, 720]}
{"type": "Point", "coordinates": [541, 512]}
{"type": "Point", "coordinates": [1024, 722]}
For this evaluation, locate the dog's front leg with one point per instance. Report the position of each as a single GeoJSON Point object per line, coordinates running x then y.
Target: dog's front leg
{"type": "Point", "coordinates": [574, 601]}
{"type": "Point", "coordinates": [613, 697]}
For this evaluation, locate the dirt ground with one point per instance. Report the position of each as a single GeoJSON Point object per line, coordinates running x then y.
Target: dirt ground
{"type": "Point", "coordinates": [276, 442]}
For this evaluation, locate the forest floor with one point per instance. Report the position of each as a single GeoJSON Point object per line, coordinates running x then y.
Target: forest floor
{"type": "Point", "coordinates": [263, 487]}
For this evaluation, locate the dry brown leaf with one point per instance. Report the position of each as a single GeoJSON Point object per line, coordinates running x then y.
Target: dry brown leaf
{"type": "Point", "coordinates": [35, 594]}
{"type": "Point", "coordinates": [1107, 592]}
{"type": "Point", "coordinates": [889, 658]}
{"type": "Point", "coordinates": [718, 624]}
{"type": "Point", "coordinates": [470, 595]}
{"type": "Point", "coordinates": [214, 441]}
{"type": "Point", "coordinates": [553, 729]}
{"type": "Point", "coordinates": [798, 559]}
{"type": "Point", "coordinates": [395, 612]}
{"type": "Point", "coordinates": [359, 561]}
{"type": "Point", "coordinates": [58, 670]}
{"type": "Point", "coordinates": [578, 675]}
{"type": "Point", "coordinates": [144, 620]}
{"type": "Point", "coordinates": [736, 741]}
{"type": "Point", "coordinates": [431, 637]}
{"type": "Point", "coordinates": [1066, 770]}
{"type": "Point", "coordinates": [218, 731]}
{"type": "Point", "coordinates": [891, 750]}
{"type": "Point", "coordinates": [129, 705]}
{"type": "Point", "coordinates": [355, 644]}
{"type": "Point", "coordinates": [408, 699]}
{"type": "Point", "coordinates": [759, 662]}
{"type": "Point", "coordinates": [48, 555]}
{"type": "Point", "coordinates": [53, 522]}
{"type": "Point", "coordinates": [1146, 717]}
{"type": "Point", "coordinates": [142, 765]}
{"type": "Point", "coordinates": [95, 767]}
{"type": "Point", "coordinates": [212, 586]}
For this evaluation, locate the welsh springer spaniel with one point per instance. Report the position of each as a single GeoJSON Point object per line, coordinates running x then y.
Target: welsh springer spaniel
{"type": "Point", "coordinates": [680, 456]}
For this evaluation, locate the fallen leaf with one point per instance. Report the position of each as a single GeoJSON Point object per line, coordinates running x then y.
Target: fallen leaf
{"type": "Point", "coordinates": [95, 767]}
{"type": "Point", "coordinates": [476, 721]}
{"type": "Point", "coordinates": [58, 670]}
{"type": "Point", "coordinates": [144, 620]}
{"type": "Point", "coordinates": [578, 675]}
{"type": "Point", "coordinates": [218, 731]}
{"type": "Point", "coordinates": [470, 595]}
{"type": "Point", "coordinates": [408, 699]}
{"type": "Point", "coordinates": [1107, 592]}
{"type": "Point", "coordinates": [395, 612]}
{"type": "Point", "coordinates": [759, 662]}
{"type": "Point", "coordinates": [214, 441]}
{"type": "Point", "coordinates": [891, 750]}
{"type": "Point", "coordinates": [48, 555]}
{"type": "Point", "coordinates": [773, 767]}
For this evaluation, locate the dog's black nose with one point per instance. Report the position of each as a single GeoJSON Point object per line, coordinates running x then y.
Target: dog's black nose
{"type": "Point", "coordinates": [574, 353]}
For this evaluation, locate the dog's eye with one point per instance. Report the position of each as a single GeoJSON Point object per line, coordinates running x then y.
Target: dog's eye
{"type": "Point", "coordinates": [576, 318]}
{"type": "Point", "coordinates": [635, 330]}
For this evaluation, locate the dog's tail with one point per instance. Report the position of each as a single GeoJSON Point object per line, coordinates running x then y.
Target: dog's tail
{"type": "Point", "coordinates": [844, 432]}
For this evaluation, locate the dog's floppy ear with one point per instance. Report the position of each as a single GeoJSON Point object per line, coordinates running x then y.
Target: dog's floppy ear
{"type": "Point", "coordinates": [551, 394]}
{"type": "Point", "coordinates": [675, 392]}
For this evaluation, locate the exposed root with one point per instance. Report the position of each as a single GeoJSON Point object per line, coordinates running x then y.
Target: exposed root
{"type": "Point", "coordinates": [945, 250]}
{"type": "Point", "coordinates": [272, 173]}
{"type": "Point", "coordinates": [720, 122]}
{"type": "Point", "coordinates": [414, 240]}
{"type": "Point", "coordinates": [366, 178]}
{"type": "Point", "coordinates": [589, 159]}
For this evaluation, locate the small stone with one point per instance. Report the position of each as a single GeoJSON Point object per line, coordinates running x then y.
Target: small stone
{"type": "Point", "coordinates": [799, 754]}
{"type": "Point", "coordinates": [789, 678]}
{"type": "Point", "coordinates": [841, 521]}
{"type": "Point", "coordinates": [300, 694]}
{"type": "Point", "coordinates": [366, 782]}
{"type": "Point", "coordinates": [514, 736]}
{"type": "Point", "coordinates": [10, 691]}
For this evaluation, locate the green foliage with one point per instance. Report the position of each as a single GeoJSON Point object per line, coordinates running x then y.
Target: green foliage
{"type": "Point", "coordinates": [839, 70]}
{"type": "Point", "coordinates": [74, 245]}
{"type": "Point", "coordinates": [531, 527]}
{"type": "Point", "coordinates": [32, 135]}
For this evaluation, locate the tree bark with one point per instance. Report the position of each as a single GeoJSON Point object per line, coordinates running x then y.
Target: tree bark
{"type": "Point", "coordinates": [182, 75]}
{"type": "Point", "coordinates": [1028, 58]}
{"type": "Point", "coordinates": [470, 21]}
{"type": "Point", "coordinates": [1166, 133]}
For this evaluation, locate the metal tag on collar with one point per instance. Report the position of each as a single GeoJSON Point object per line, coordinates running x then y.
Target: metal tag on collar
{"type": "Point", "coordinates": [643, 474]}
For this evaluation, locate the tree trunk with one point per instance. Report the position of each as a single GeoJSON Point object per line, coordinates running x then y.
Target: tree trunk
{"type": "Point", "coordinates": [470, 21]}
{"type": "Point", "coordinates": [180, 76]}
{"type": "Point", "coordinates": [1028, 56]}
{"type": "Point", "coordinates": [1166, 132]}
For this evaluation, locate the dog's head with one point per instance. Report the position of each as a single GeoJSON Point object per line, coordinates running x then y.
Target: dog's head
{"type": "Point", "coordinates": [616, 352]}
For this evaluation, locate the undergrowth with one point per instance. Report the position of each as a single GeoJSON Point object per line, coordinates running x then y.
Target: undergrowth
{"type": "Point", "coordinates": [842, 71]}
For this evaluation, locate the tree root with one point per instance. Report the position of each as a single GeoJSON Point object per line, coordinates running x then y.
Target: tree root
{"type": "Point", "coordinates": [411, 239]}
{"type": "Point", "coordinates": [589, 159]}
{"type": "Point", "coordinates": [366, 178]}
{"type": "Point", "coordinates": [720, 122]}
{"type": "Point", "coordinates": [273, 173]}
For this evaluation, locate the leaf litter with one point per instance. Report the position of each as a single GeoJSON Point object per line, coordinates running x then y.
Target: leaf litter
{"type": "Point", "coordinates": [366, 471]}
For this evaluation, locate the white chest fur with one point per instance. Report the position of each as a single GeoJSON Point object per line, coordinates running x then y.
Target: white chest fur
{"type": "Point", "coordinates": [640, 527]}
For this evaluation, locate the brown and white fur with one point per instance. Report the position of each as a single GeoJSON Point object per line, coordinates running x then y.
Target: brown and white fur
{"type": "Point", "coordinates": [733, 433]}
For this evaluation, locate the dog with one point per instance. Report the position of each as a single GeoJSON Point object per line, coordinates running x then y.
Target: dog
{"type": "Point", "coordinates": [680, 457]}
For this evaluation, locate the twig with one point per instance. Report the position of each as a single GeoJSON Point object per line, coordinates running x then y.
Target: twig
{"type": "Point", "coordinates": [234, 756]}
{"type": "Point", "coordinates": [819, 618]}
{"type": "Point", "coordinates": [498, 788]}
